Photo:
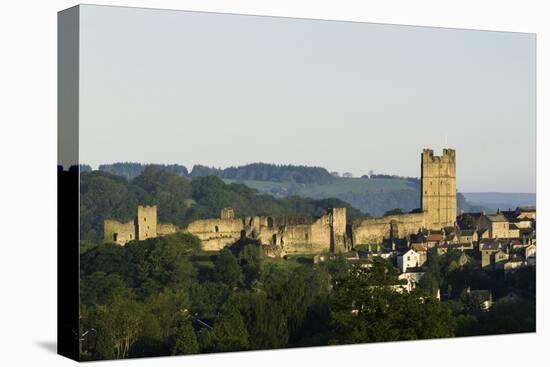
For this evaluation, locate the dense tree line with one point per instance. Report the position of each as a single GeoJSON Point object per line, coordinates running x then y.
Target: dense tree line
{"type": "Point", "coordinates": [158, 297]}
{"type": "Point", "coordinates": [180, 200]}
{"type": "Point", "coordinates": [164, 296]}
{"type": "Point", "coordinates": [131, 170]}
{"type": "Point", "coordinates": [268, 172]}
{"type": "Point", "coordinates": [297, 180]}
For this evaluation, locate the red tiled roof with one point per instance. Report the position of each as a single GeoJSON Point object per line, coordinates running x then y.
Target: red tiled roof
{"type": "Point", "coordinates": [434, 237]}
{"type": "Point", "coordinates": [418, 247]}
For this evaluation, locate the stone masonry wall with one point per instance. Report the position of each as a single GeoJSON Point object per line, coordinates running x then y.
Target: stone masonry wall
{"type": "Point", "coordinates": [216, 234]}
{"type": "Point", "coordinates": [146, 222]}
{"type": "Point", "coordinates": [375, 230]}
{"type": "Point", "coordinates": [117, 232]}
{"type": "Point", "coordinates": [438, 188]}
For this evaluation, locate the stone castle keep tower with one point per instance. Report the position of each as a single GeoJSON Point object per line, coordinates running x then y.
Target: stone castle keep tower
{"type": "Point", "coordinates": [146, 222]}
{"type": "Point", "coordinates": [438, 188]}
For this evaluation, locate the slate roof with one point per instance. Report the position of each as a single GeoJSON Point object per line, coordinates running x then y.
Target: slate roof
{"type": "Point", "coordinates": [489, 244]}
{"type": "Point", "coordinates": [496, 217]}
{"type": "Point", "coordinates": [466, 232]}
{"type": "Point", "coordinates": [511, 215]}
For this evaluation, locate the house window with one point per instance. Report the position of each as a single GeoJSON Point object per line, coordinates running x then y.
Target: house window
{"type": "Point", "coordinates": [216, 229]}
{"type": "Point", "coordinates": [115, 236]}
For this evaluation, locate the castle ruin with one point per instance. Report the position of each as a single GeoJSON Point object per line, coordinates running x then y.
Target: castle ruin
{"type": "Point", "coordinates": [281, 235]}
{"type": "Point", "coordinates": [143, 226]}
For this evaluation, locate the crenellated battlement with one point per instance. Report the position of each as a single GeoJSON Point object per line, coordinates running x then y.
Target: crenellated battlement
{"type": "Point", "coordinates": [448, 156]}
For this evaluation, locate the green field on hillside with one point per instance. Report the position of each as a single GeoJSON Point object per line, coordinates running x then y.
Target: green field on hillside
{"type": "Point", "coordinates": [370, 195]}
{"type": "Point", "coordinates": [339, 186]}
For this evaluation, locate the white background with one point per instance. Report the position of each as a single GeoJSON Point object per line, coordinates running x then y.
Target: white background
{"type": "Point", "coordinates": [28, 157]}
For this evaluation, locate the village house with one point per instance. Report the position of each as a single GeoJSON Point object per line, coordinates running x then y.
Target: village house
{"type": "Point", "coordinates": [487, 249]}
{"type": "Point", "coordinates": [435, 238]}
{"type": "Point", "coordinates": [409, 259]}
{"type": "Point", "coordinates": [467, 235]}
{"type": "Point", "coordinates": [496, 224]}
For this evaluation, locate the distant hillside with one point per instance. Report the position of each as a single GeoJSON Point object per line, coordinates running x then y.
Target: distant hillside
{"type": "Point", "coordinates": [370, 195]}
{"type": "Point", "coordinates": [374, 194]}
{"type": "Point", "coordinates": [268, 172]}
{"type": "Point", "coordinates": [500, 200]}
{"type": "Point", "coordinates": [131, 170]}
{"type": "Point", "coordinates": [181, 200]}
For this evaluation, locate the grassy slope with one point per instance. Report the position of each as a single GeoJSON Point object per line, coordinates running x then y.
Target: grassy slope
{"type": "Point", "coordinates": [359, 192]}
{"type": "Point", "coordinates": [339, 186]}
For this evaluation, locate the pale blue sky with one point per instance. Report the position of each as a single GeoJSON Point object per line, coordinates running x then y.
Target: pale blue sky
{"type": "Point", "coordinates": [182, 87]}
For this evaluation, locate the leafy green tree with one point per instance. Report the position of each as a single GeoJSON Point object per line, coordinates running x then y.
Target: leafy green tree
{"type": "Point", "coordinates": [119, 326]}
{"type": "Point", "coordinates": [101, 288]}
{"type": "Point", "coordinates": [207, 298]}
{"type": "Point", "coordinates": [264, 319]}
{"type": "Point", "coordinates": [296, 291]}
{"type": "Point", "coordinates": [185, 340]}
{"type": "Point", "coordinates": [227, 269]}
{"type": "Point", "coordinates": [338, 268]}
{"type": "Point", "coordinates": [168, 306]}
{"type": "Point", "coordinates": [362, 312]}
{"type": "Point", "coordinates": [229, 333]}
{"type": "Point", "coordinates": [249, 259]}
{"type": "Point", "coordinates": [151, 340]}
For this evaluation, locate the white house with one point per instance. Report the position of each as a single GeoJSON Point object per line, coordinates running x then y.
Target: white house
{"type": "Point", "coordinates": [409, 259]}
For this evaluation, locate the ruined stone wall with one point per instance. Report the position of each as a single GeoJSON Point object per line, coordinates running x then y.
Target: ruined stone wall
{"type": "Point", "coordinates": [302, 234]}
{"type": "Point", "coordinates": [117, 232]}
{"type": "Point", "coordinates": [338, 218]}
{"type": "Point", "coordinates": [216, 234]}
{"type": "Point", "coordinates": [375, 230]}
{"type": "Point", "coordinates": [293, 234]}
{"type": "Point", "coordinates": [164, 229]}
{"type": "Point", "coordinates": [227, 213]}
{"type": "Point", "coordinates": [438, 188]}
{"type": "Point", "coordinates": [146, 222]}
{"type": "Point", "coordinates": [143, 226]}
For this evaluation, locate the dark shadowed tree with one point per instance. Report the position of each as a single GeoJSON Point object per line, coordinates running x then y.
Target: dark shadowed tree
{"type": "Point", "coordinates": [227, 269]}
